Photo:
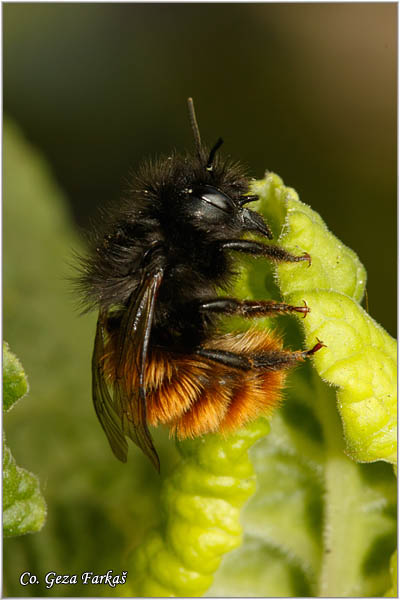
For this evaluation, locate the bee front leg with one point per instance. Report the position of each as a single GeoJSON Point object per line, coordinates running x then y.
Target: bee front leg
{"type": "Point", "coordinates": [274, 253]}
{"type": "Point", "coordinates": [250, 308]}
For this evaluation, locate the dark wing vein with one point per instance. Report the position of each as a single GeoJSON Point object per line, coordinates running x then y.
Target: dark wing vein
{"type": "Point", "coordinates": [133, 341]}
{"type": "Point", "coordinates": [102, 400]}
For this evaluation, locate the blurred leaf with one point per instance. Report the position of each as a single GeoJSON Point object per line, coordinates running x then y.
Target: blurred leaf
{"type": "Point", "coordinates": [392, 592]}
{"type": "Point", "coordinates": [24, 508]}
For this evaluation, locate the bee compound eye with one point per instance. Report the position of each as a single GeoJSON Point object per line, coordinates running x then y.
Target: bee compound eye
{"type": "Point", "coordinates": [211, 203]}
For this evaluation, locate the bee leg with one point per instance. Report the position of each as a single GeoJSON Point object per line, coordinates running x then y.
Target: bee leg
{"type": "Point", "coordinates": [275, 253]}
{"type": "Point", "coordinates": [250, 308]}
{"type": "Point", "coordinates": [277, 360]}
{"type": "Point", "coordinates": [229, 359]}
{"type": "Point", "coordinates": [272, 360]}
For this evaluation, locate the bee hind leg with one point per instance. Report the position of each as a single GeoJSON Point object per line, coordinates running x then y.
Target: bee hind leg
{"type": "Point", "coordinates": [271, 360]}
{"type": "Point", "coordinates": [228, 359]}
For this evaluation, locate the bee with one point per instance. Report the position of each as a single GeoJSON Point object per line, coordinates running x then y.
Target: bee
{"type": "Point", "coordinates": [153, 273]}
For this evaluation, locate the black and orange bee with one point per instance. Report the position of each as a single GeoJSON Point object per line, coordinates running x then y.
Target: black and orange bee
{"type": "Point", "coordinates": [153, 274]}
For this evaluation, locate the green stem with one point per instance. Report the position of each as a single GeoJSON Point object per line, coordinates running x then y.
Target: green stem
{"type": "Point", "coordinates": [341, 538]}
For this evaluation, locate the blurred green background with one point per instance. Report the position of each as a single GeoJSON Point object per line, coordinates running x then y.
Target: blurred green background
{"type": "Point", "coordinates": [305, 90]}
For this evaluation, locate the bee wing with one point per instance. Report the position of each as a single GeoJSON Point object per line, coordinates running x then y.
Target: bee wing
{"type": "Point", "coordinates": [102, 400]}
{"type": "Point", "coordinates": [133, 341]}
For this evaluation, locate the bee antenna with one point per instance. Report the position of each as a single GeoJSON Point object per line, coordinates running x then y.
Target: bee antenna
{"type": "Point", "coordinates": [194, 125]}
{"type": "Point", "coordinates": [214, 149]}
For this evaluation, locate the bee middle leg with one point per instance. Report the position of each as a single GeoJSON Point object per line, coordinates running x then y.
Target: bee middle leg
{"type": "Point", "coordinates": [250, 308]}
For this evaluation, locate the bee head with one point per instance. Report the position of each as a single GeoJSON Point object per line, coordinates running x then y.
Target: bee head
{"type": "Point", "coordinates": [210, 208]}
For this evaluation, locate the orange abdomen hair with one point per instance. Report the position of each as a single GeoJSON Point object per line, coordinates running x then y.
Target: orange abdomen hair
{"type": "Point", "coordinates": [193, 395]}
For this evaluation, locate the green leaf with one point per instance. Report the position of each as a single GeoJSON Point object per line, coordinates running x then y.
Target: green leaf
{"type": "Point", "coordinates": [392, 592]}
{"type": "Point", "coordinates": [306, 487]}
{"type": "Point", "coordinates": [24, 508]}
{"type": "Point", "coordinates": [319, 524]}
{"type": "Point", "coordinates": [201, 503]}
{"type": "Point", "coordinates": [360, 357]}
{"type": "Point", "coordinates": [15, 383]}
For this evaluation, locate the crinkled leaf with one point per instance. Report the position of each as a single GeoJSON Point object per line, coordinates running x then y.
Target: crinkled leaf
{"type": "Point", "coordinates": [24, 508]}
{"type": "Point", "coordinates": [201, 501]}
{"type": "Point", "coordinates": [294, 454]}
{"type": "Point", "coordinates": [324, 524]}
{"type": "Point", "coordinates": [319, 524]}
{"type": "Point", "coordinates": [360, 357]}
{"type": "Point", "coordinates": [15, 383]}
